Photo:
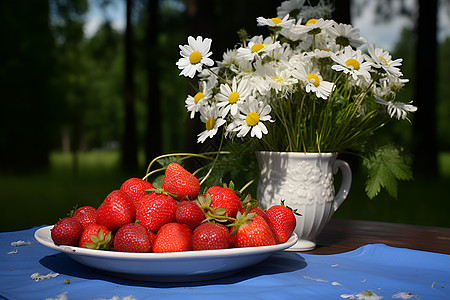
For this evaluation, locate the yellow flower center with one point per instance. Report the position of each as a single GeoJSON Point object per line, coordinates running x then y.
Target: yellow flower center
{"type": "Point", "coordinates": [256, 47]}
{"type": "Point", "coordinates": [276, 21]}
{"type": "Point", "coordinates": [351, 62]}
{"type": "Point", "coordinates": [384, 60]}
{"type": "Point", "coordinates": [233, 97]}
{"type": "Point", "coordinates": [210, 123]}
{"type": "Point", "coordinates": [252, 118]}
{"type": "Point", "coordinates": [311, 21]}
{"type": "Point", "coordinates": [314, 79]}
{"type": "Point", "coordinates": [277, 79]}
{"type": "Point", "coordinates": [195, 57]}
{"type": "Point", "coordinates": [199, 96]}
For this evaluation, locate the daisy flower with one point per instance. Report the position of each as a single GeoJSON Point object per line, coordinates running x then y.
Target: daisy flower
{"type": "Point", "coordinates": [256, 48]}
{"type": "Point", "coordinates": [345, 35]}
{"type": "Point", "coordinates": [194, 103]}
{"type": "Point", "coordinates": [252, 114]}
{"type": "Point", "coordinates": [260, 84]}
{"type": "Point", "coordinates": [282, 81]}
{"type": "Point", "coordinates": [290, 7]}
{"type": "Point", "coordinates": [398, 110]}
{"type": "Point", "coordinates": [194, 56]}
{"type": "Point", "coordinates": [352, 62]}
{"type": "Point", "coordinates": [382, 59]}
{"type": "Point", "coordinates": [314, 82]}
{"type": "Point", "coordinates": [313, 26]}
{"type": "Point", "coordinates": [389, 85]}
{"type": "Point", "coordinates": [275, 22]}
{"type": "Point", "coordinates": [211, 117]}
{"type": "Point", "coordinates": [229, 98]}
{"type": "Point", "coordinates": [318, 53]}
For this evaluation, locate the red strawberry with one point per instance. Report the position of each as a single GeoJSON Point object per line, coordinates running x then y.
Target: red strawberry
{"type": "Point", "coordinates": [132, 237]}
{"type": "Point", "coordinates": [209, 236]}
{"type": "Point", "coordinates": [173, 237]}
{"type": "Point", "coordinates": [225, 198]}
{"type": "Point", "coordinates": [96, 236]}
{"type": "Point", "coordinates": [180, 182]}
{"type": "Point", "coordinates": [67, 231]}
{"type": "Point", "coordinates": [151, 237]}
{"type": "Point", "coordinates": [116, 210]}
{"type": "Point", "coordinates": [251, 231]}
{"type": "Point", "coordinates": [189, 213]}
{"type": "Point", "coordinates": [156, 209]}
{"type": "Point", "coordinates": [86, 215]}
{"type": "Point", "coordinates": [135, 188]}
{"type": "Point", "coordinates": [258, 211]}
{"type": "Point", "coordinates": [282, 221]}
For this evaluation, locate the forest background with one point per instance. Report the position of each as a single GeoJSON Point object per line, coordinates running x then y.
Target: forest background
{"type": "Point", "coordinates": [79, 114]}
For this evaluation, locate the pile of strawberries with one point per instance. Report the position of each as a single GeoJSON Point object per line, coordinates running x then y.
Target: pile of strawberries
{"type": "Point", "coordinates": [141, 218]}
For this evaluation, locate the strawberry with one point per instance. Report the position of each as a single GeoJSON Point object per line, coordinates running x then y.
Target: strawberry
{"type": "Point", "coordinates": [135, 188]}
{"type": "Point", "coordinates": [132, 237]}
{"type": "Point", "coordinates": [96, 236]}
{"type": "Point", "coordinates": [250, 230]}
{"type": "Point", "coordinates": [151, 237]}
{"type": "Point", "coordinates": [86, 215]}
{"type": "Point", "coordinates": [209, 236]}
{"type": "Point", "coordinates": [282, 221]}
{"type": "Point", "coordinates": [211, 213]}
{"type": "Point", "coordinates": [116, 210]}
{"type": "Point", "coordinates": [189, 213]}
{"type": "Point", "coordinates": [260, 212]}
{"type": "Point", "coordinates": [180, 182]}
{"type": "Point", "coordinates": [223, 197]}
{"type": "Point", "coordinates": [156, 209]}
{"type": "Point", "coordinates": [173, 237]}
{"type": "Point", "coordinates": [67, 231]}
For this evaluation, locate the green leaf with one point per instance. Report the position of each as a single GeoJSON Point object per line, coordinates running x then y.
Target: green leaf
{"type": "Point", "coordinates": [386, 166]}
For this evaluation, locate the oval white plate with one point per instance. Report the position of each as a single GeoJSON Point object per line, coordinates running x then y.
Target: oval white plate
{"type": "Point", "coordinates": [166, 267]}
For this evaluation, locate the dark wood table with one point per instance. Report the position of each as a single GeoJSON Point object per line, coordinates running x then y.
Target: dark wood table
{"type": "Point", "coordinates": [342, 235]}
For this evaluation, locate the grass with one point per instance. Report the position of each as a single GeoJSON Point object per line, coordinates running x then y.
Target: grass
{"type": "Point", "coordinates": [43, 198]}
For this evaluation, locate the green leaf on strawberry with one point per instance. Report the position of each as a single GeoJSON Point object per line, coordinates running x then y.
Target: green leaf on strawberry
{"type": "Point", "coordinates": [100, 241]}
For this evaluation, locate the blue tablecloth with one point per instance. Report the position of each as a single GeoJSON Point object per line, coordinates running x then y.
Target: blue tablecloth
{"type": "Point", "coordinates": [386, 271]}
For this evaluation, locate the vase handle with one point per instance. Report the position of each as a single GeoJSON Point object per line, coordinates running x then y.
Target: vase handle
{"type": "Point", "coordinates": [345, 184]}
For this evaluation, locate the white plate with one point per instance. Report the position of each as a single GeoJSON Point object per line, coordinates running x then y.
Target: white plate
{"type": "Point", "coordinates": [166, 267]}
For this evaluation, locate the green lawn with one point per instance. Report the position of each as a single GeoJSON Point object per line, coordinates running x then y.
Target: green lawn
{"type": "Point", "coordinates": [45, 197]}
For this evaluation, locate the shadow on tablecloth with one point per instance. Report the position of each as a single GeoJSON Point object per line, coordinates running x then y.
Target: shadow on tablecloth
{"type": "Point", "coordinates": [282, 262]}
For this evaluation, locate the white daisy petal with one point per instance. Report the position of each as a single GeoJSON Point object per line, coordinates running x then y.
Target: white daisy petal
{"type": "Point", "coordinates": [194, 56]}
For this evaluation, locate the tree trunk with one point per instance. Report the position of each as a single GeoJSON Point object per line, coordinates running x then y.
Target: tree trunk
{"type": "Point", "coordinates": [129, 143]}
{"type": "Point", "coordinates": [153, 138]}
{"type": "Point", "coordinates": [341, 12]}
{"type": "Point", "coordinates": [425, 148]}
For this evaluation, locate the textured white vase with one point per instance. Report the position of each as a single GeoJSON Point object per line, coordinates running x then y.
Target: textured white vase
{"type": "Point", "coordinates": [306, 182]}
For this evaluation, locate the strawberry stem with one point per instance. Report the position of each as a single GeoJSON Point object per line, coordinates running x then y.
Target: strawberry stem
{"type": "Point", "coordinates": [215, 159]}
{"type": "Point", "coordinates": [186, 156]}
{"type": "Point", "coordinates": [241, 191]}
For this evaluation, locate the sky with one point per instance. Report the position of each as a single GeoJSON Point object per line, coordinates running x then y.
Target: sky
{"type": "Point", "coordinates": [380, 34]}
{"type": "Point", "coordinates": [95, 16]}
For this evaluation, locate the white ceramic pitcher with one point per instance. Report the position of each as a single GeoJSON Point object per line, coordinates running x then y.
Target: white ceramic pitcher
{"type": "Point", "coordinates": [306, 182]}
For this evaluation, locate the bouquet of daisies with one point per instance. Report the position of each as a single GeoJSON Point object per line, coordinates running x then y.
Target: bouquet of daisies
{"type": "Point", "coordinates": [310, 85]}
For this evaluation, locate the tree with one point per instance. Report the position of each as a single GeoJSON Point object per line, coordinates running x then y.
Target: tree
{"type": "Point", "coordinates": [425, 148]}
{"type": "Point", "coordinates": [342, 11]}
{"type": "Point", "coordinates": [424, 122]}
{"type": "Point", "coordinates": [68, 24]}
{"type": "Point", "coordinates": [29, 105]}
{"type": "Point", "coordinates": [129, 142]}
{"type": "Point", "coordinates": [153, 137]}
